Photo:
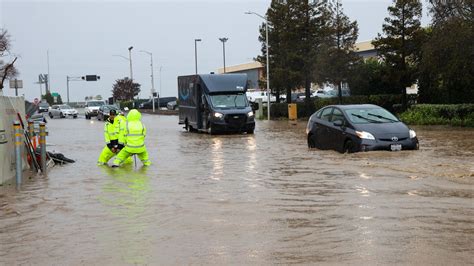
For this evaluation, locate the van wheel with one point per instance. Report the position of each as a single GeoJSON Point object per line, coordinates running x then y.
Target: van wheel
{"type": "Point", "coordinates": [250, 132]}
{"type": "Point", "coordinates": [349, 146]}
{"type": "Point", "coordinates": [186, 126]}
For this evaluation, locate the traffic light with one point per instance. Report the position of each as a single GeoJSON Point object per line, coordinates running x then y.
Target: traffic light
{"type": "Point", "coordinates": [91, 78]}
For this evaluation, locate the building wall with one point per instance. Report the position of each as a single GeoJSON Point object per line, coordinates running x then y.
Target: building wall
{"type": "Point", "coordinates": [9, 107]}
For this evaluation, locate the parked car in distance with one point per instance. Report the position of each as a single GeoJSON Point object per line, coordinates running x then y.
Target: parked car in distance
{"type": "Point", "coordinates": [92, 108]}
{"type": "Point", "coordinates": [62, 111]}
{"type": "Point", "coordinates": [43, 107]}
{"type": "Point", "coordinates": [163, 102]}
{"type": "Point", "coordinates": [104, 111]}
{"type": "Point", "coordinates": [172, 105]}
{"type": "Point", "coordinates": [362, 127]}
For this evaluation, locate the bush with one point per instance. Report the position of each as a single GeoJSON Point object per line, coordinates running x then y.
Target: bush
{"type": "Point", "coordinates": [440, 114]}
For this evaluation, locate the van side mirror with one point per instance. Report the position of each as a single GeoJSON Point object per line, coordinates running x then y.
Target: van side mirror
{"type": "Point", "coordinates": [338, 123]}
{"type": "Point", "coordinates": [254, 106]}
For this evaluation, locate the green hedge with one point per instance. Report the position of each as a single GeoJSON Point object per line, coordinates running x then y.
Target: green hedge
{"type": "Point", "coordinates": [440, 114]}
{"type": "Point", "coordinates": [306, 109]}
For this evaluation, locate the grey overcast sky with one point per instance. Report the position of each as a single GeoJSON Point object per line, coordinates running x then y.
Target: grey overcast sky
{"type": "Point", "coordinates": [83, 36]}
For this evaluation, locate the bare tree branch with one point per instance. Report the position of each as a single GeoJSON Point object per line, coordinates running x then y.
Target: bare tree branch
{"type": "Point", "coordinates": [8, 71]}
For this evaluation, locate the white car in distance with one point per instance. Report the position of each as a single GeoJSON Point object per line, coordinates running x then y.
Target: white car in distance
{"type": "Point", "coordinates": [62, 111]}
{"type": "Point", "coordinates": [92, 108]}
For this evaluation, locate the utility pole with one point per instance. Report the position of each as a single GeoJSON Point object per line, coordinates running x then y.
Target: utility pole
{"type": "Point", "coordinates": [48, 88]}
{"type": "Point", "coordinates": [152, 82]}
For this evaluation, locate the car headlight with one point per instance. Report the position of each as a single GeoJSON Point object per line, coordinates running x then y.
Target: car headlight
{"type": "Point", "coordinates": [365, 135]}
{"type": "Point", "coordinates": [250, 114]}
{"type": "Point", "coordinates": [412, 134]}
{"type": "Point", "coordinates": [218, 115]}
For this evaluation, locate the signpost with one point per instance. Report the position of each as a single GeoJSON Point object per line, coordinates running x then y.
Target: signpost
{"type": "Point", "coordinates": [55, 96]}
{"type": "Point", "coordinates": [16, 84]}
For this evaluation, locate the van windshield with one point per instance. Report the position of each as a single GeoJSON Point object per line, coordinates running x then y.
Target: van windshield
{"type": "Point", "coordinates": [229, 101]}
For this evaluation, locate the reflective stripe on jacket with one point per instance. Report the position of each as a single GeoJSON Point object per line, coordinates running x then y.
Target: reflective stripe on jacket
{"type": "Point", "coordinates": [134, 134]}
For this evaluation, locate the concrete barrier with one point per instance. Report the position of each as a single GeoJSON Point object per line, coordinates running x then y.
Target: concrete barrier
{"type": "Point", "coordinates": [9, 107]}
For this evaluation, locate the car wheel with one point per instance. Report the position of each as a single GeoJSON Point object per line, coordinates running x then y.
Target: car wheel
{"type": "Point", "coordinates": [349, 146]}
{"type": "Point", "coordinates": [311, 142]}
{"type": "Point", "coordinates": [74, 117]}
{"type": "Point", "coordinates": [61, 115]}
{"type": "Point", "coordinates": [51, 115]}
{"type": "Point", "coordinates": [186, 126]}
{"type": "Point", "coordinates": [88, 117]}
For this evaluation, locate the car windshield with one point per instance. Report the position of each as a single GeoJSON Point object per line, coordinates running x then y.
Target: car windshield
{"type": "Point", "coordinates": [44, 105]}
{"type": "Point", "coordinates": [229, 101]}
{"type": "Point", "coordinates": [370, 115]}
{"type": "Point", "coordinates": [95, 103]}
{"type": "Point", "coordinates": [65, 106]}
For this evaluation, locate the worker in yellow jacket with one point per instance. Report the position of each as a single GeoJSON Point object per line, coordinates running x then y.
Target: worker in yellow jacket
{"type": "Point", "coordinates": [111, 135]}
{"type": "Point", "coordinates": [132, 135]}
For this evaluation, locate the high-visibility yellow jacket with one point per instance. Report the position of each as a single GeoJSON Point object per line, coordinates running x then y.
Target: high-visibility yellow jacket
{"type": "Point", "coordinates": [118, 122]}
{"type": "Point", "coordinates": [110, 132]}
{"type": "Point", "coordinates": [134, 133]}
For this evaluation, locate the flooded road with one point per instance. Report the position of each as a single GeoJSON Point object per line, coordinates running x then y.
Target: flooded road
{"type": "Point", "coordinates": [244, 199]}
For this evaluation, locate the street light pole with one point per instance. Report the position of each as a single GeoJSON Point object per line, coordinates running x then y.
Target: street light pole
{"type": "Point", "coordinates": [195, 54]}
{"type": "Point", "coordinates": [223, 40]}
{"type": "Point", "coordinates": [268, 62]}
{"type": "Point", "coordinates": [130, 59]}
{"type": "Point", "coordinates": [67, 79]}
{"type": "Point", "coordinates": [152, 81]}
{"type": "Point", "coordinates": [160, 79]}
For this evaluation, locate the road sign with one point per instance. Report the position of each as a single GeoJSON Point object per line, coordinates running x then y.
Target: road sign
{"type": "Point", "coordinates": [36, 101]}
{"type": "Point", "coordinates": [16, 84]}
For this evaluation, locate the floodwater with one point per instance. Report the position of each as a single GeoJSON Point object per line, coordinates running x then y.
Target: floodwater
{"type": "Point", "coordinates": [244, 199]}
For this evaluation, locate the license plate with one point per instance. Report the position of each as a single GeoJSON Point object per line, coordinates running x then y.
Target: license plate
{"type": "Point", "coordinates": [396, 147]}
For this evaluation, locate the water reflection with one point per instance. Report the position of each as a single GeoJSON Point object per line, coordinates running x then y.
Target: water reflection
{"type": "Point", "coordinates": [217, 159]}
{"type": "Point", "coordinates": [125, 196]}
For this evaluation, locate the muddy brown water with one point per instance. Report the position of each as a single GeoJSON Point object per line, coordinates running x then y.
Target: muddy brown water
{"type": "Point", "coordinates": [244, 199]}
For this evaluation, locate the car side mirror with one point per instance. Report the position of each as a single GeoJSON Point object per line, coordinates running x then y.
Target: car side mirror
{"type": "Point", "coordinates": [338, 123]}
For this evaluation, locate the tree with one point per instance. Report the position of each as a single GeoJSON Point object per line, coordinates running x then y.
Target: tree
{"type": "Point", "coordinates": [125, 90]}
{"type": "Point", "coordinates": [294, 34]}
{"type": "Point", "coordinates": [370, 77]}
{"type": "Point", "coordinates": [401, 45]}
{"type": "Point", "coordinates": [98, 97]}
{"type": "Point", "coordinates": [48, 97]}
{"type": "Point", "coordinates": [447, 68]}
{"type": "Point", "coordinates": [7, 69]}
{"type": "Point", "coordinates": [336, 56]}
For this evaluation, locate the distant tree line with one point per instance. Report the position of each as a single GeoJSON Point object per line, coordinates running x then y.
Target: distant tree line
{"type": "Point", "coordinates": [312, 41]}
